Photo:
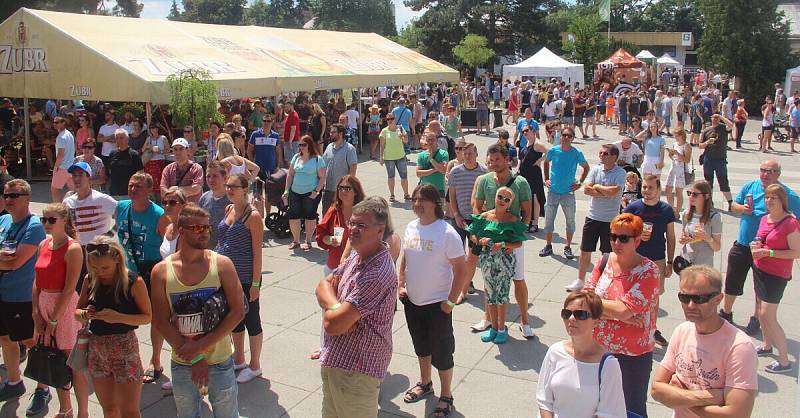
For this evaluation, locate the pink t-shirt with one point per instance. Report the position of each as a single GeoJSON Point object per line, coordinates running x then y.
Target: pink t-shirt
{"type": "Point", "coordinates": [776, 239]}
{"type": "Point", "coordinates": [726, 358]}
{"type": "Point", "coordinates": [83, 135]}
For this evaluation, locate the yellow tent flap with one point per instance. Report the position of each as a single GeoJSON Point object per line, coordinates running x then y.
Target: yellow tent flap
{"type": "Point", "coordinates": [75, 56]}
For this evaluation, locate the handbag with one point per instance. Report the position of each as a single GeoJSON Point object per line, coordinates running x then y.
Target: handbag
{"type": "Point", "coordinates": [48, 365]}
{"type": "Point", "coordinates": [79, 356]}
{"type": "Point", "coordinates": [688, 176]}
{"type": "Point", "coordinates": [600, 382]}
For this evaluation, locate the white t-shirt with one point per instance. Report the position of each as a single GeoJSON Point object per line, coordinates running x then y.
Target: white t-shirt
{"type": "Point", "coordinates": [570, 388]}
{"type": "Point", "coordinates": [352, 118]}
{"type": "Point", "coordinates": [382, 92]}
{"type": "Point", "coordinates": [630, 155]}
{"type": "Point", "coordinates": [109, 146]}
{"type": "Point", "coordinates": [93, 215]}
{"type": "Point", "coordinates": [428, 250]}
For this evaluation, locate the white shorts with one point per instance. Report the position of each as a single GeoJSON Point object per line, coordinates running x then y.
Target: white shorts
{"type": "Point", "coordinates": [675, 176]}
{"type": "Point", "coordinates": [649, 166]}
{"type": "Point", "coordinates": [519, 265]}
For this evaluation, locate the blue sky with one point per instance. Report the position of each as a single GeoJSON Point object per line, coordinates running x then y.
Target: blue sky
{"type": "Point", "coordinates": [158, 9]}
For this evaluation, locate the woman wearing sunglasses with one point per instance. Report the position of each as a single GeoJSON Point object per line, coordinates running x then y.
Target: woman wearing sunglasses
{"type": "Point", "coordinates": [174, 200]}
{"type": "Point", "coordinates": [95, 163]}
{"type": "Point", "coordinates": [566, 385]}
{"type": "Point", "coordinates": [498, 232]}
{"type": "Point", "coordinates": [54, 300]}
{"type": "Point", "coordinates": [240, 234]}
{"type": "Point", "coordinates": [304, 183]}
{"type": "Point", "coordinates": [628, 284]}
{"type": "Point", "coordinates": [114, 302]}
{"type": "Point", "coordinates": [701, 235]}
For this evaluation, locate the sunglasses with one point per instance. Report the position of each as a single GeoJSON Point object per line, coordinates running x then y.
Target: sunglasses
{"type": "Point", "coordinates": [13, 195]}
{"type": "Point", "coordinates": [48, 219]}
{"type": "Point", "coordinates": [459, 148]}
{"type": "Point", "coordinates": [171, 202]}
{"type": "Point", "coordinates": [98, 248]}
{"type": "Point", "coordinates": [622, 238]}
{"type": "Point", "coordinates": [579, 314]}
{"type": "Point", "coordinates": [566, 135]}
{"type": "Point", "coordinates": [768, 171]}
{"type": "Point", "coordinates": [88, 146]}
{"type": "Point", "coordinates": [690, 193]}
{"type": "Point", "coordinates": [604, 153]}
{"type": "Point", "coordinates": [302, 145]}
{"type": "Point", "coordinates": [505, 199]}
{"type": "Point", "coordinates": [697, 299]}
{"type": "Point", "coordinates": [345, 188]}
{"type": "Point", "coordinates": [198, 229]}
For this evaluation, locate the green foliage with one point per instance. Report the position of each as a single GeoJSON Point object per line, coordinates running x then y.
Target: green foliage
{"type": "Point", "coordinates": [280, 13]}
{"type": "Point", "coordinates": [136, 108]}
{"type": "Point", "coordinates": [408, 36]}
{"type": "Point", "coordinates": [472, 50]}
{"type": "Point", "coordinates": [174, 13]}
{"type": "Point", "coordinates": [193, 98]}
{"type": "Point", "coordinates": [221, 12]}
{"type": "Point", "coordinates": [355, 16]}
{"type": "Point", "coordinates": [258, 14]}
{"type": "Point", "coordinates": [130, 8]}
{"type": "Point", "coordinates": [591, 45]}
{"type": "Point", "coordinates": [122, 8]}
{"type": "Point", "coordinates": [749, 40]}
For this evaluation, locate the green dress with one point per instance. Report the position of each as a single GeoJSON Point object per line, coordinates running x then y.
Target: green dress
{"type": "Point", "coordinates": [497, 266]}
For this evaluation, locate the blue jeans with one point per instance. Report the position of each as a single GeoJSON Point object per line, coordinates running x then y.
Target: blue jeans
{"type": "Point", "coordinates": [222, 391]}
{"type": "Point", "coordinates": [290, 148]}
{"type": "Point", "coordinates": [567, 202]}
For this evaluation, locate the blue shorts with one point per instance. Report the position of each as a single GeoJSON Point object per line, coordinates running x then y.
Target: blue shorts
{"type": "Point", "coordinates": [401, 165]}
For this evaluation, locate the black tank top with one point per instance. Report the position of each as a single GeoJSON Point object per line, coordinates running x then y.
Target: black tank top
{"type": "Point", "coordinates": [105, 299]}
{"type": "Point", "coordinates": [527, 166]}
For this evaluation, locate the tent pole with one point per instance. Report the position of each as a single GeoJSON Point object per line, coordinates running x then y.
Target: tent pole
{"type": "Point", "coordinates": [360, 131]}
{"type": "Point", "coordinates": [27, 121]}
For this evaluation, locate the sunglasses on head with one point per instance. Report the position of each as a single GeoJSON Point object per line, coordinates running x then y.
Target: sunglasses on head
{"type": "Point", "coordinates": [98, 248]}
{"type": "Point", "coordinates": [13, 195]}
{"type": "Point", "coordinates": [685, 298]}
{"type": "Point", "coordinates": [198, 229]}
{"type": "Point", "coordinates": [48, 219]}
{"type": "Point", "coordinates": [622, 238]}
{"type": "Point", "coordinates": [579, 314]}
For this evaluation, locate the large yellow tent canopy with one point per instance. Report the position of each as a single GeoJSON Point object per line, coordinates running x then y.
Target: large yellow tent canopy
{"type": "Point", "coordinates": [75, 56]}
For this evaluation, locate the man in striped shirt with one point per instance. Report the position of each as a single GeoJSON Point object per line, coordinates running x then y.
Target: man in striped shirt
{"type": "Point", "coordinates": [359, 301]}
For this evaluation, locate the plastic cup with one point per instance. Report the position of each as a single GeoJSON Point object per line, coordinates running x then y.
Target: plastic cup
{"type": "Point", "coordinates": [338, 232]}
{"type": "Point", "coordinates": [156, 149]}
{"type": "Point", "coordinates": [648, 227]}
{"type": "Point", "coordinates": [9, 247]}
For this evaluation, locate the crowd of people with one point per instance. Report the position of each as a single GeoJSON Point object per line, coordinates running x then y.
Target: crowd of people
{"type": "Point", "coordinates": [150, 234]}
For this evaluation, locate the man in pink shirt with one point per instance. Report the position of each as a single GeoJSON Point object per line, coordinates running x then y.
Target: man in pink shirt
{"type": "Point", "coordinates": [710, 365]}
{"type": "Point", "coordinates": [291, 133]}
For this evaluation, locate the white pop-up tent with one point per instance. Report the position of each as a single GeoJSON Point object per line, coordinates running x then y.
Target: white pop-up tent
{"type": "Point", "coordinates": [792, 81]}
{"type": "Point", "coordinates": [667, 60]}
{"type": "Point", "coordinates": [645, 55]}
{"type": "Point", "coordinates": [546, 64]}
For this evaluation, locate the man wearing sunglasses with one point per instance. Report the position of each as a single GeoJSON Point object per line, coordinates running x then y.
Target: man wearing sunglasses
{"type": "Point", "coordinates": [340, 159]}
{"type": "Point", "coordinates": [710, 365]}
{"type": "Point", "coordinates": [750, 204]}
{"type": "Point", "coordinates": [20, 233]}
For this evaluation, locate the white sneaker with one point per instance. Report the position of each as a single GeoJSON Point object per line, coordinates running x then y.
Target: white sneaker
{"type": "Point", "coordinates": [481, 325]}
{"type": "Point", "coordinates": [237, 367]}
{"type": "Point", "coordinates": [527, 332]}
{"type": "Point", "coordinates": [576, 285]}
{"type": "Point", "coordinates": [247, 375]}
{"type": "Point", "coordinates": [167, 385]}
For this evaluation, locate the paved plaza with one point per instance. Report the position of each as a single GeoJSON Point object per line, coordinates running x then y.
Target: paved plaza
{"type": "Point", "coordinates": [490, 380]}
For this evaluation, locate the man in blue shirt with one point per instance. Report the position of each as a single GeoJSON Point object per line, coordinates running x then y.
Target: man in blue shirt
{"type": "Point", "coordinates": [795, 123]}
{"type": "Point", "coordinates": [522, 123]}
{"type": "Point", "coordinates": [16, 283]}
{"type": "Point", "coordinates": [560, 168]}
{"type": "Point", "coordinates": [264, 151]}
{"type": "Point", "coordinates": [740, 260]}
{"type": "Point", "coordinates": [403, 116]}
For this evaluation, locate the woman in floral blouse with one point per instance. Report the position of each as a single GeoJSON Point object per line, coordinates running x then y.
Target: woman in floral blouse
{"type": "Point", "coordinates": [628, 284]}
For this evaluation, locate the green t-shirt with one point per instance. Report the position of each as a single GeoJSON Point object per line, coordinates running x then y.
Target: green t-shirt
{"type": "Point", "coordinates": [451, 126]}
{"type": "Point", "coordinates": [393, 148]}
{"type": "Point", "coordinates": [424, 162]}
{"type": "Point", "coordinates": [257, 118]}
{"type": "Point", "coordinates": [487, 189]}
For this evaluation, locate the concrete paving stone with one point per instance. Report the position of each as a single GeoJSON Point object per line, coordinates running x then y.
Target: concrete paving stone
{"type": "Point", "coordinates": [275, 269]}
{"type": "Point", "coordinates": [518, 358]}
{"type": "Point", "coordinates": [285, 307]}
{"type": "Point", "coordinates": [474, 399]}
{"type": "Point", "coordinates": [284, 360]}
{"type": "Point", "coordinates": [310, 406]}
{"type": "Point", "coordinates": [305, 281]}
{"type": "Point", "coordinates": [265, 398]}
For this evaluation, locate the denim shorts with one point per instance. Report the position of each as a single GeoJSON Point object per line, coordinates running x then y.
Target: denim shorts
{"type": "Point", "coordinates": [567, 203]}
{"type": "Point", "coordinates": [302, 206]}
{"type": "Point", "coordinates": [223, 392]}
{"type": "Point", "coordinates": [400, 165]}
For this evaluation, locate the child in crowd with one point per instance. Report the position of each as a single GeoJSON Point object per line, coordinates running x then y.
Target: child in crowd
{"type": "Point", "coordinates": [632, 189]}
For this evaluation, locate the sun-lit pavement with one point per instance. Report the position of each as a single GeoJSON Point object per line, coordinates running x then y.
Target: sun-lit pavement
{"type": "Point", "coordinates": [490, 380]}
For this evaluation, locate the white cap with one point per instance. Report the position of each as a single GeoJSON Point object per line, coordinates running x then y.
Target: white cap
{"type": "Point", "coordinates": [181, 141]}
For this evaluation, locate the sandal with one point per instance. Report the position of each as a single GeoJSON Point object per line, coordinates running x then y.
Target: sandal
{"type": "Point", "coordinates": [306, 246]}
{"type": "Point", "coordinates": [294, 245]}
{"type": "Point", "coordinates": [152, 375]}
{"type": "Point", "coordinates": [444, 412]}
{"type": "Point", "coordinates": [407, 197]}
{"type": "Point", "coordinates": [411, 396]}
{"type": "Point", "coordinates": [392, 199]}
{"type": "Point", "coordinates": [65, 414]}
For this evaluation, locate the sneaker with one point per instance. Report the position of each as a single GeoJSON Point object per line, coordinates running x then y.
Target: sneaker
{"type": "Point", "coordinates": [726, 316]}
{"type": "Point", "coordinates": [9, 392]}
{"type": "Point", "coordinates": [489, 336]}
{"type": "Point", "coordinates": [501, 337]}
{"type": "Point", "coordinates": [761, 351]}
{"type": "Point", "coordinates": [527, 332]}
{"type": "Point", "coordinates": [481, 325]}
{"type": "Point", "coordinates": [471, 290]}
{"type": "Point", "coordinates": [39, 400]}
{"type": "Point", "coordinates": [167, 385]}
{"type": "Point", "coordinates": [776, 367]}
{"type": "Point", "coordinates": [753, 327]}
{"type": "Point", "coordinates": [660, 339]}
{"type": "Point", "coordinates": [575, 285]}
{"type": "Point", "coordinates": [237, 367]}
{"type": "Point", "coordinates": [247, 375]}
{"type": "Point", "coordinates": [568, 253]}
{"type": "Point", "coordinates": [546, 251]}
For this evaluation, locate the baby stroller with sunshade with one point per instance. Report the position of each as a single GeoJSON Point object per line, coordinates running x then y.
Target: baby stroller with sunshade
{"type": "Point", "coordinates": [277, 222]}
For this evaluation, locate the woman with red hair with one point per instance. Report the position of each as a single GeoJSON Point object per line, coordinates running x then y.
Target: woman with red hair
{"type": "Point", "coordinates": [628, 284]}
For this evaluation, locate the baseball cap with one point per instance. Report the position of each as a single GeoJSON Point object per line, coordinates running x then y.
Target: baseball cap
{"type": "Point", "coordinates": [80, 165]}
{"type": "Point", "coordinates": [181, 141]}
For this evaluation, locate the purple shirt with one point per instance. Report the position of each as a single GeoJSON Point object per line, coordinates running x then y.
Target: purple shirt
{"type": "Point", "coordinates": [371, 286]}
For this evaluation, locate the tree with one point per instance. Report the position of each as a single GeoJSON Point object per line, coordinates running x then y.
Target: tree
{"type": "Point", "coordinates": [472, 51]}
{"type": "Point", "coordinates": [587, 46]}
{"type": "Point", "coordinates": [221, 12]}
{"type": "Point", "coordinates": [749, 40]}
{"type": "Point", "coordinates": [193, 98]}
{"type": "Point", "coordinates": [174, 13]}
{"type": "Point", "coordinates": [130, 8]}
{"type": "Point", "coordinates": [257, 14]}
{"type": "Point", "coordinates": [123, 7]}
{"type": "Point", "coordinates": [408, 35]}
{"type": "Point", "coordinates": [355, 16]}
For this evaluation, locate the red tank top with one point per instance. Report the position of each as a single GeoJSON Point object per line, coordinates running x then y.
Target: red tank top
{"type": "Point", "coordinates": [51, 266]}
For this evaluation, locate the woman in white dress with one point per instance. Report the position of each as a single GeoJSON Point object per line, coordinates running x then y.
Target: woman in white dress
{"type": "Point", "coordinates": [681, 155]}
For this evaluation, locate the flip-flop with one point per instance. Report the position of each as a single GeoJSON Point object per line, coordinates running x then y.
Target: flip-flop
{"type": "Point", "coordinates": [152, 375]}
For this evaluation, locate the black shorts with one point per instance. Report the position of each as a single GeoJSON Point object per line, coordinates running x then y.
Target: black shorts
{"type": "Point", "coordinates": [252, 319]}
{"type": "Point", "coordinates": [766, 128]}
{"type": "Point", "coordinates": [16, 320]}
{"type": "Point", "coordinates": [740, 260]}
{"type": "Point", "coordinates": [302, 206]}
{"type": "Point", "coordinates": [768, 287]}
{"type": "Point", "coordinates": [431, 333]}
{"type": "Point", "coordinates": [594, 231]}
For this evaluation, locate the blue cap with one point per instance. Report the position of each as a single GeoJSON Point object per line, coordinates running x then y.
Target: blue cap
{"type": "Point", "coordinates": [80, 165]}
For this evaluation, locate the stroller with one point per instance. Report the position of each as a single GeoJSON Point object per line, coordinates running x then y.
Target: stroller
{"type": "Point", "coordinates": [781, 121]}
{"type": "Point", "coordinates": [277, 222]}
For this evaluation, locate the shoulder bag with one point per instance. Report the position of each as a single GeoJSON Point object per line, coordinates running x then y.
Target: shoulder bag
{"type": "Point", "coordinates": [688, 176]}
{"type": "Point", "coordinates": [600, 383]}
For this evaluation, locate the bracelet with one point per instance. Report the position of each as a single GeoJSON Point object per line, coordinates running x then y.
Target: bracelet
{"type": "Point", "coordinates": [197, 359]}
{"type": "Point", "coordinates": [334, 307]}
{"type": "Point", "coordinates": [256, 285]}
{"type": "Point", "coordinates": [772, 253]}
{"type": "Point", "coordinates": [450, 303]}
{"type": "Point", "coordinates": [53, 322]}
